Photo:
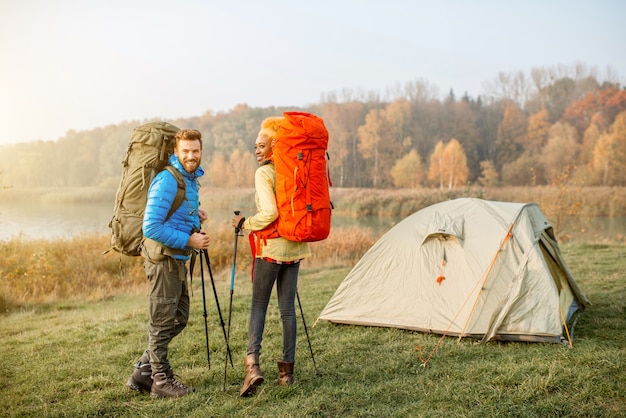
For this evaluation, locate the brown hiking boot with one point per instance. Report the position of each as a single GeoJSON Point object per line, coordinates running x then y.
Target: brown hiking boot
{"type": "Point", "coordinates": [141, 379]}
{"type": "Point", "coordinates": [253, 378]}
{"type": "Point", "coordinates": [285, 373]}
{"type": "Point", "coordinates": [165, 385]}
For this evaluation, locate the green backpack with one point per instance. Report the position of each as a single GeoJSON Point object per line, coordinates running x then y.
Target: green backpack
{"type": "Point", "coordinates": [149, 150]}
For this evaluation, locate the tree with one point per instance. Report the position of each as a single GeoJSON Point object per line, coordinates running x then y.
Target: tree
{"type": "Point", "coordinates": [487, 121]}
{"type": "Point", "coordinates": [601, 106]}
{"type": "Point", "coordinates": [557, 87]}
{"type": "Point", "coordinates": [369, 145]}
{"type": "Point", "coordinates": [383, 139]}
{"type": "Point", "coordinates": [459, 121]}
{"type": "Point", "coordinates": [584, 170]}
{"type": "Point", "coordinates": [526, 170]}
{"type": "Point", "coordinates": [538, 129]}
{"type": "Point", "coordinates": [455, 170]}
{"type": "Point", "coordinates": [342, 121]}
{"type": "Point", "coordinates": [448, 165]}
{"type": "Point", "coordinates": [408, 171]}
{"type": "Point", "coordinates": [513, 87]}
{"type": "Point", "coordinates": [590, 139]}
{"type": "Point", "coordinates": [609, 156]}
{"type": "Point", "coordinates": [560, 153]}
{"type": "Point", "coordinates": [242, 168]}
{"type": "Point", "coordinates": [488, 174]}
{"type": "Point", "coordinates": [218, 172]}
{"type": "Point", "coordinates": [435, 171]}
{"type": "Point", "coordinates": [511, 135]}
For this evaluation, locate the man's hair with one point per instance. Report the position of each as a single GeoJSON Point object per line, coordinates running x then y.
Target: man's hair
{"type": "Point", "coordinates": [188, 135]}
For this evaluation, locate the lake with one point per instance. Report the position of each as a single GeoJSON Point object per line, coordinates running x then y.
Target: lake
{"type": "Point", "coordinates": [64, 221]}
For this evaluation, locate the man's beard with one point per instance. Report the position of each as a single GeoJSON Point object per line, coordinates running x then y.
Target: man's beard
{"type": "Point", "coordinates": [190, 165]}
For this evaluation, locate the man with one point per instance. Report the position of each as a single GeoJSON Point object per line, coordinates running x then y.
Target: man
{"type": "Point", "coordinates": [166, 248]}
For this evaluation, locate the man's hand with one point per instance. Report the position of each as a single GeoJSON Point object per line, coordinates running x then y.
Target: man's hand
{"type": "Point", "coordinates": [199, 240]}
{"type": "Point", "coordinates": [203, 215]}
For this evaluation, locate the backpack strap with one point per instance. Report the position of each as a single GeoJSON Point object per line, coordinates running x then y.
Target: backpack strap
{"type": "Point", "coordinates": [180, 191]}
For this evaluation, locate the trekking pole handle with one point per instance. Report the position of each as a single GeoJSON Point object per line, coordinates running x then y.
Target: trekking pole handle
{"type": "Point", "coordinates": [241, 221]}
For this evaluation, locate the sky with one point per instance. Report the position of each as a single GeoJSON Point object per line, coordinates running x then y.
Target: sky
{"type": "Point", "coordinates": [82, 64]}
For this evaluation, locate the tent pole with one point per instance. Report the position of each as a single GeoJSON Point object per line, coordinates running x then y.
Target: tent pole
{"type": "Point", "coordinates": [566, 330]}
{"type": "Point", "coordinates": [493, 262]}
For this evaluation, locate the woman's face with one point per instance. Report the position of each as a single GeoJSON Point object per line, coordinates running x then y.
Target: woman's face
{"type": "Point", "coordinates": [262, 149]}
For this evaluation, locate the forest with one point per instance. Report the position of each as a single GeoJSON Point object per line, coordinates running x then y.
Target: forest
{"type": "Point", "coordinates": [543, 128]}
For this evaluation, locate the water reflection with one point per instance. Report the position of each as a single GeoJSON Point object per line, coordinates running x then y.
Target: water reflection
{"type": "Point", "coordinates": [63, 221]}
{"type": "Point", "coordinates": [53, 221]}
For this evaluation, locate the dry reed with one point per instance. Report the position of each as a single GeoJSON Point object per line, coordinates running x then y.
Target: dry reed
{"type": "Point", "coordinates": [34, 272]}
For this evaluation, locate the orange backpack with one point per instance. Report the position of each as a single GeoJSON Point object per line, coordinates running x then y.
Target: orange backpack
{"type": "Point", "coordinates": [302, 180]}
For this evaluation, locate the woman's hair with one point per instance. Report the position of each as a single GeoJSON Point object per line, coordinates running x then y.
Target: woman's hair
{"type": "Point", "coordinates": [188, 135]}
{"type": "Point", "coordinates": [269, 126]}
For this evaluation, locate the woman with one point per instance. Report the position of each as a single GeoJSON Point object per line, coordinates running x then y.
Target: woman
{"type": "Point", "coordinates": [277, 260]}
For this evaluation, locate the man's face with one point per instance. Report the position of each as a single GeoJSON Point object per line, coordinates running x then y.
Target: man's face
{"type": "Point", "coordinates": [189, 154]}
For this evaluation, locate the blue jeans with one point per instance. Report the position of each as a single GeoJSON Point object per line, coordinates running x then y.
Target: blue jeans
{"type": "Point", "coordinates": [286, 278]}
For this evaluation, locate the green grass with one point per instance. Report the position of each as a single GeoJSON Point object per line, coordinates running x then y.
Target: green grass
{"type": "Point", "coordinates": [73, 358]}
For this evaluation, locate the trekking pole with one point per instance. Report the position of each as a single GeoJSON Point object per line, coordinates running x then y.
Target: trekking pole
{"type": "Point", "coordinates": [206, 327]}
{"type": "Point", "coordinates": [192, 263]}
{"type": "Point", "coordinates": [232, 289]}
{"type": "Point", "coordinates": [217, 303]}
{"type": "Point", "coordinates": [307, 333]}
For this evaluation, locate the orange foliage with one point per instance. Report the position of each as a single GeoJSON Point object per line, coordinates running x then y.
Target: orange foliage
{"type": "Point", "coordinates": [607, 103]}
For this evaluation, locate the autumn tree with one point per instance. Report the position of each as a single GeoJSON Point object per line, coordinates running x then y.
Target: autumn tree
{"type": "Point", "coordinates": [459, 121]}
{"type": "Point", "coordinates": [584, 170]}
{"type": "Point", "coordinates": [455, 164]}
{"type": "Point", "coordinates": [408, 171]}
{"type": "Point", "coordinates": [557, 87]}
{"type": "Point", "coordinates": [607, 103]}
{"type": "Point", "coordinates": [527, 168]}
{"type": "Point", "coordinates": [511, 135]}
{"type": "Point", "coordinates": [538, 129]}
{"type": "Point", "coordinates": [217, 173]}
{"type": "Point", "coordinates": [560, 153]}
{"type": "Point", "coordinates": [435, 170]}
{"type": "Point", "coordinates": [609, 157]}
{"type": "Point", "coordinates": [241, 168]}
{"type": "Point", "coordinates": [589, 140]}
{"type": "Point", "coordinates": [448, 165]}
{"type": "Point", "coordinates": [488, 174]}
{"type": "Point", "coordinates": [370, 143]}
{"type": "Point", "coordinates": [342, 121]}
{"type": "Point", "coordinates": [383, 138]}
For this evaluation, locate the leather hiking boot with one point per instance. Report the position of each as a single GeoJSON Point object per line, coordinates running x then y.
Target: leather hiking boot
{"type": "Point", "coordinates": [254, 377]}
{"type": "Point", "coordinates": [165, 385]}
{"type": "Point", "coordinates": [141, 379]}
{"type": "Point", "coordinates": [285, 373]}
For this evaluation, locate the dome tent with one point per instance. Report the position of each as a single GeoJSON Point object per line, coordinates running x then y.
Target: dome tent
{"type": "Point", "coordinates": [465, 267]}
